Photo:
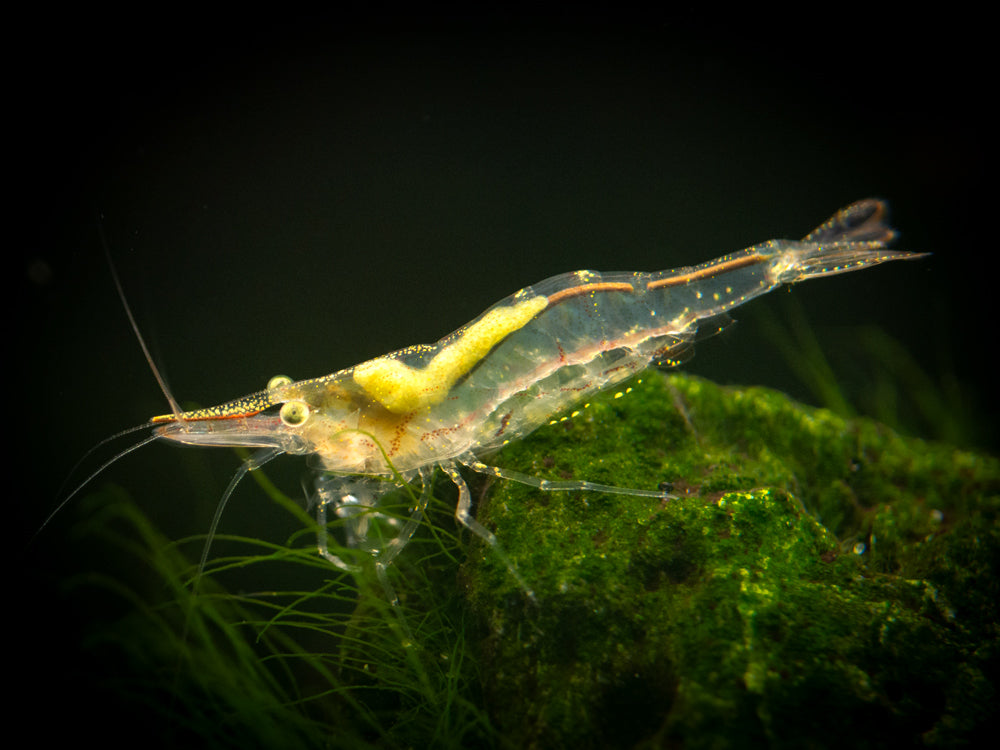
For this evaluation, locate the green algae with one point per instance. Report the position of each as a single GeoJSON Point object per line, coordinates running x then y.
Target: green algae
{"type": "Point", "coordinates": [815, 581]}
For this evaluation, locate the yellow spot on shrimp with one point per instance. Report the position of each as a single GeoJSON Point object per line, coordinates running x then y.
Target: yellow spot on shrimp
{"type": "Point", "coordinates": [401, 388]}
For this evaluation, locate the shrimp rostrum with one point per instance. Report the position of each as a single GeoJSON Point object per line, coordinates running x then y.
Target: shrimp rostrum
{"type": "Point", "coordinates": [526, 358]}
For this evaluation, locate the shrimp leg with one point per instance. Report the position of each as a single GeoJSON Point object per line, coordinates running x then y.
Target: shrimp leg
{"type": "Point", "coordinates": [549, 485]}
{"type": "Point", "coordinates": [463, 514]}
{"type": "Point", "coordinates": [355, 501]}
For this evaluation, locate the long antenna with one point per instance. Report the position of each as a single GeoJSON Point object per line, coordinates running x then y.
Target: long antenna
{"type": "Point", "coordinates": [65, 501]}
{"type": "Point", "coordinates": [174, 406]}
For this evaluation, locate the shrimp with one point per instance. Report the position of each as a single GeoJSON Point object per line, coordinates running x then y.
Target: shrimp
{"type": "Point", "coordinates": [383, 423]}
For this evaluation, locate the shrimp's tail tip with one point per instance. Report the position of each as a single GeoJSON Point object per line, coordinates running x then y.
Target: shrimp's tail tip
{"type": "Point", "coordinates": [863, 221]}
{"type": "Point", "coordinates": [828, 261]}
{"type": "Point", "coordinates": [853, 238]}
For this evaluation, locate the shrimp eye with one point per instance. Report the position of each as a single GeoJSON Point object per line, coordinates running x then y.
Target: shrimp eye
{"type": "Point", "coordinates": [277, 381]}
{"type": "Point", "coordinates": [294, 413]}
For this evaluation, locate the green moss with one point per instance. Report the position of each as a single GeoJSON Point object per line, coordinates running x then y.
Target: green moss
{"type": "Point", "coordinates": [816, 581]}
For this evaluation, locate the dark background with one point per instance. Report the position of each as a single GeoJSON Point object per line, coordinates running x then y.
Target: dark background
{"type": "Point", "coordinates": [297, 196]}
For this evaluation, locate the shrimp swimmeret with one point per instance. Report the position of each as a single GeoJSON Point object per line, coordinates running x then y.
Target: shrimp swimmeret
{"type": "Point", "coordinates": [528, 357]}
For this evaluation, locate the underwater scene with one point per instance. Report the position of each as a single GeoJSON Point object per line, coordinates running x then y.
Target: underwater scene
{"type": "Point", "coordinates": [814, 557]}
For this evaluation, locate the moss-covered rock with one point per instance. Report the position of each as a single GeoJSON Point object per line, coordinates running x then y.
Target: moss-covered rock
{"type": "Point", "coordinates": [814, 581]}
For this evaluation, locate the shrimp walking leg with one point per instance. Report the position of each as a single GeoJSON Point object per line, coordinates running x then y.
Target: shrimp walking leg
{"type": "Point", "coordinates": [548, 485]}
{"type": "Point", "coordinates": [463, 514]}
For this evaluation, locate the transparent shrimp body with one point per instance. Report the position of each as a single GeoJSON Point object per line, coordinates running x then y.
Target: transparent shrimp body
{"type": "Point", "coordinates": [530, 356]}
